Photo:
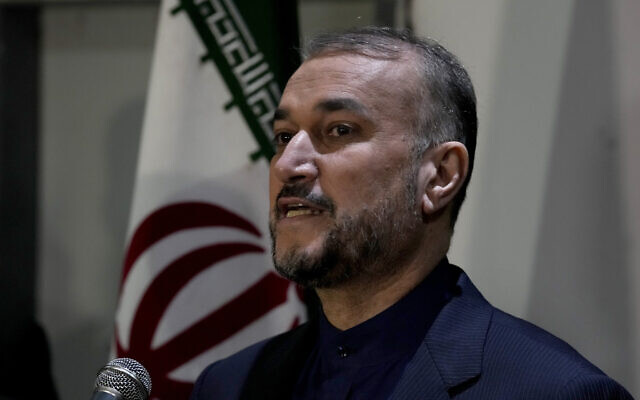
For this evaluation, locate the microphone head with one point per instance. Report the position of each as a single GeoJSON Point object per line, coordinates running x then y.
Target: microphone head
{"type": "Point", "coordinates": [127, 376]}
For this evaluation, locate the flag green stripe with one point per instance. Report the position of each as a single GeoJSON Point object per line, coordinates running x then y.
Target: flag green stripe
{"type": "Point", "coordinates": [254, 78]}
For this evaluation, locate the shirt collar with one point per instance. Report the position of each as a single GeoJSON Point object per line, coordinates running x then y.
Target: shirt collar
{"type": "Point", "coordinates": [394, 333]}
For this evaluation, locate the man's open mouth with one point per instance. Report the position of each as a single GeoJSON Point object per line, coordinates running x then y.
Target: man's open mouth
{"type": "Point", "coordinates": [295, 210]}
{"type": "Point", "coordinates": [295, 207]}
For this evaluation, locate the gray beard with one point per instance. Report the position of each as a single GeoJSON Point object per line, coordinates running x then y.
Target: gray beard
{"type": "Point", "coordinates": [367, 245]}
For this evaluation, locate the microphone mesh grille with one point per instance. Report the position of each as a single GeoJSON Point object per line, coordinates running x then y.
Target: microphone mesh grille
{"type": "Point", "coordinates": [128, 386]}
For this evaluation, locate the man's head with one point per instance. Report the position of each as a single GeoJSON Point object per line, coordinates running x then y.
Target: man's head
{"type": "Point", "coordinates": [371, 134]}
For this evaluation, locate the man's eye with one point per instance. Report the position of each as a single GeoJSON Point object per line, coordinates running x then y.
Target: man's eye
{"type": "Point", "coordinates": [282, 138]}
{"type": "Point", "coordinates": [340, 130]}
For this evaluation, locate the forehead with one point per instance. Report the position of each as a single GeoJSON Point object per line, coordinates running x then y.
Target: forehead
{"type": "Point", "coordinates": [377, 83]}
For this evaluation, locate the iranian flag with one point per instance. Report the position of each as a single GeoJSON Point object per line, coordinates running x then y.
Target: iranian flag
{"type": "Point", "coordinates": [197, 282]}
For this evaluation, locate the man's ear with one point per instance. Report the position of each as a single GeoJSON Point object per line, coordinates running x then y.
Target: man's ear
{"type": "Point", "coordinates": [442, 173]}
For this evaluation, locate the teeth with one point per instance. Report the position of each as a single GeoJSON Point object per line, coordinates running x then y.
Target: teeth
{"type": "Point", "coordinates": [304, 211]}
{"type": "Point", "coordinates": [295, 213]}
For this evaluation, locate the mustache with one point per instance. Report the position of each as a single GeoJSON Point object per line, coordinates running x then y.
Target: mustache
{"type": "Point", "coordinates": [304, 192]}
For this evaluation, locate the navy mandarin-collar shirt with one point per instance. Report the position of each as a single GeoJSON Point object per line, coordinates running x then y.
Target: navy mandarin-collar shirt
{"type": "Point", "coordinates": [366, 361]}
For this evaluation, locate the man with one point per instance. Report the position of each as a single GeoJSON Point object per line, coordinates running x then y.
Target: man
{"type": "Point", "coordinates": [375, 137]}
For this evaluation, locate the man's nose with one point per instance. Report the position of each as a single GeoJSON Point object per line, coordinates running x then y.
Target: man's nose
{"type": "Point", "coordinates": [297, 162]}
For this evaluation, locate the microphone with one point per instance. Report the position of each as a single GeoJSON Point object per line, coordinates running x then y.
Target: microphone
{"type": "Point", "coordinates": [122, 379]}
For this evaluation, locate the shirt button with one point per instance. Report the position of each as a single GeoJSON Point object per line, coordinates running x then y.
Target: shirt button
{"type": "Point", "coordinates": [343, 352]}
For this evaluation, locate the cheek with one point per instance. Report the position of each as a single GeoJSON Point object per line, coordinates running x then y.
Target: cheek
{"type": "Point", "coordinates": [356, 180]}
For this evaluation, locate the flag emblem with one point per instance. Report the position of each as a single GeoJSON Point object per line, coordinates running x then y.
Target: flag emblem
{"type": "Point", "coordinates": [210, 330]}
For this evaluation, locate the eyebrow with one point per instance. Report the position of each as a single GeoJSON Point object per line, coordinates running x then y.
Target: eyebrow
{"type": "Point", "coordinates": [329, 105]}
{"type": "Point", "coordinates": [340, 104]}
{"type": "Point", "coordinates": [280, 114]}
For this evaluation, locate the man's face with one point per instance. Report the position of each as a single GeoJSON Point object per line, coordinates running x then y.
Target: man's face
{"type": "Point", "coordinates": [344, 202]}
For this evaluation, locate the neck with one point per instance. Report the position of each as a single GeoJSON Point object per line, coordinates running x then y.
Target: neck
{"type": "Point", "coordinates": [358, 300]}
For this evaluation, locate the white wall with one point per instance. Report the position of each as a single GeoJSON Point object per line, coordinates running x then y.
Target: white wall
{"type": "Point", "coordinates": [543, 230]}
{"type": "Point", "coordinates": [627, 83]}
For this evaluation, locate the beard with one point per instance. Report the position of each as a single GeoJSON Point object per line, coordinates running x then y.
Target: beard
{"type": "Point", "coordinates": [366, 245]}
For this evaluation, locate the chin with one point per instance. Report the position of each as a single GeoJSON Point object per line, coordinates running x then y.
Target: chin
{"type": "Point", "coordinates": [311, 259]}
{"type": "Point", "coordinates": [307, 243]}
{"type": "Point", "coordinates": [316, 267]}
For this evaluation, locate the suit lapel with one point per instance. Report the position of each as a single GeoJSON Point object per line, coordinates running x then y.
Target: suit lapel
{"type": "Point", "coordinates": [452, 351]}
{"type": "Point", "coordinates": [420, 379]}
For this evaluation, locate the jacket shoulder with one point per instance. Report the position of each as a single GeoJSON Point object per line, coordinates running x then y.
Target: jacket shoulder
{"type": "Point", "coordinates": [481, 352]}
{"type": "Point", "coordinates": [542, 365]}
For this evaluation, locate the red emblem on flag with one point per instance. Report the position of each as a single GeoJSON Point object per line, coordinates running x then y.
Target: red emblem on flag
{"type": "Point", "coordinates": [220, 324]}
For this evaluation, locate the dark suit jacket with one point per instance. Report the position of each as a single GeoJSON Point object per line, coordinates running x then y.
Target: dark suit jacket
{"type": "Point", "coordinates": [472, 351]}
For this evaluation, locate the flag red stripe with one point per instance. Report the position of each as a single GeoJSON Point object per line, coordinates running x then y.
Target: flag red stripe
{"type": "Point", "coordinates": [169, 282]}
{"type": "Point", "coordinates": [266, 294]}
{"type": "Point", "coordinates": [175, 217]}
